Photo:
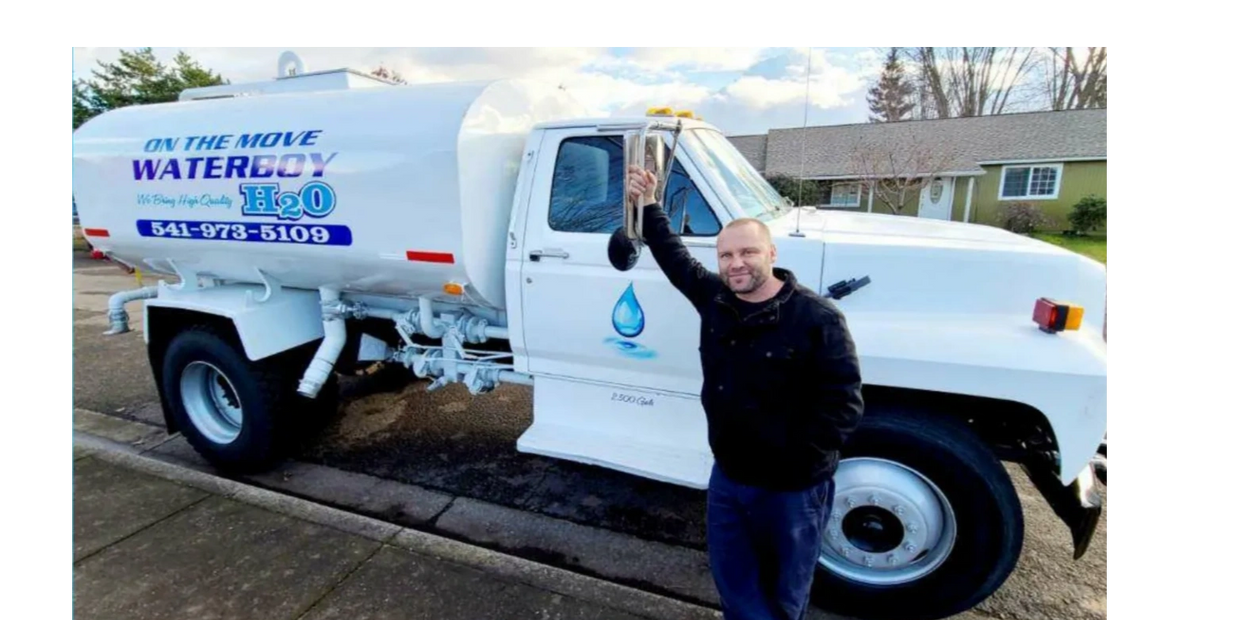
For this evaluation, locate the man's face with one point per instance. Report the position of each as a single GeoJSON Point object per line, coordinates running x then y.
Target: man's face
{"type": "Point", "coordinates": [746, 258]}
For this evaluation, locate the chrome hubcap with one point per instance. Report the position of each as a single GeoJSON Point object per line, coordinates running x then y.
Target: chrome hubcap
{"type": "Point", "coordinates": [211, 402]}
{"type": "Point", "coordinates": [889, 524]}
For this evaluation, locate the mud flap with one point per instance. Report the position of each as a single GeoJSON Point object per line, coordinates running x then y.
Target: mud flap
{"type": "Point", "coordinates": [1078, 505]}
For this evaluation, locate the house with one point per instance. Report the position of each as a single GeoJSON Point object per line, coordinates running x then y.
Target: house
{"type": "Point", "coordinates": [962, 169]}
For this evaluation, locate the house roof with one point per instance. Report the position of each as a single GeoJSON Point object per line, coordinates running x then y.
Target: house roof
{"type": "Point", "coordinates": [956, 145]}
{"type": "Point", "coordinates": [753, 148]}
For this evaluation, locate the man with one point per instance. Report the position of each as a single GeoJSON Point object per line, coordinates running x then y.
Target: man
{"type": "Point", "coordinates": [782, 392]}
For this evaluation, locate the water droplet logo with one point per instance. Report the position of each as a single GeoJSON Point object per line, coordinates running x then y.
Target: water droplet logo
{"type": "Point", "coordinates": [627, 317]}
{"type": "Point", "coordinates": [629, 320]}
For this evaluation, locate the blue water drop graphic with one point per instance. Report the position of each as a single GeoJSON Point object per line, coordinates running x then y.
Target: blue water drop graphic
{"type": "Point", "coordinates": [627, 317]}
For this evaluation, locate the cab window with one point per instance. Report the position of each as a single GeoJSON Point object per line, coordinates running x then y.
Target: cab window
{"type": "Point", "coordinates": [587, 189]}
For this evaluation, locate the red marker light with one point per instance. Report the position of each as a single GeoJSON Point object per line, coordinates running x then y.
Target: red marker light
{"type": "Point", "coordinates": [1052, 316]}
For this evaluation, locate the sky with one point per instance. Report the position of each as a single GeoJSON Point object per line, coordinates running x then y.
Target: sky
{"type": "Point", "coordinates": [739, 90]}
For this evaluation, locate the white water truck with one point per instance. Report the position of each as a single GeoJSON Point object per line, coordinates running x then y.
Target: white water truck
{"type": "Point", "coordinates": [322, 222]}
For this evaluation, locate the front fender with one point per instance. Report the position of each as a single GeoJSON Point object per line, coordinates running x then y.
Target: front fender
{"type": "Point", "coordinates": [1063, 375]}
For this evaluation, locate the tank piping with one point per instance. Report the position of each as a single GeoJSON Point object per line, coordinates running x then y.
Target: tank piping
{"type": "Point", "coordinates": [329, 350]}
{"type": "Point", "coordinates": [116, 307]}
{"type": "Point", "coordinates": [427, 315]}
{"type": "Point", "coordinates": [509, 376]}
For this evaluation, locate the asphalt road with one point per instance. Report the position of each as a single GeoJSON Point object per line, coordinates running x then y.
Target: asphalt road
{"type": "Point", "coordinates": [466, 446]}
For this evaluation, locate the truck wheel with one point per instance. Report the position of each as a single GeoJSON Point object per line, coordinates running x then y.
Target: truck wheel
{"type": "Point", "coordinates": [925, 522]}
{"type": "Point", "coordinates": [233, 411]}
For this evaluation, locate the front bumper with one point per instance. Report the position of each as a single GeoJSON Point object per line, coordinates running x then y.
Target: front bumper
{"type": "Point", "coordinates": [1079, 505]}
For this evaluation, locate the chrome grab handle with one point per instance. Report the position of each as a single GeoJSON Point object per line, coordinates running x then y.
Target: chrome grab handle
{"type": "Point", "coordinates": [549, 253]}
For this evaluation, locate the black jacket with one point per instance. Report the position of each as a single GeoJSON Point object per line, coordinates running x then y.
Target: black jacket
{"type": "Point", "coordinates": [782, 386]}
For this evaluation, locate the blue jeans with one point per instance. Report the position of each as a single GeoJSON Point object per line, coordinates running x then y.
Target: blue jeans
{"type": "Point", "coordinates": [764, 546]}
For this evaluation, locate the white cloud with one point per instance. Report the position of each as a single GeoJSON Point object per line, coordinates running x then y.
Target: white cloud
{"type": "Point", "coordinates": [607, 95]}
{"type": "Point", "coordinates": [695, 58]}
{"type": "Point", "coordinates": [740, 90]}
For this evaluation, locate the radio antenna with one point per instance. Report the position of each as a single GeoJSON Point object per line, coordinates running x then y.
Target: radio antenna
{"type": "Point", "coordinates": [804, 125]}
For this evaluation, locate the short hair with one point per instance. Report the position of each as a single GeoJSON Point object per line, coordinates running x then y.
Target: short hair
{"type": "Point", "coordinates": [762, 227]}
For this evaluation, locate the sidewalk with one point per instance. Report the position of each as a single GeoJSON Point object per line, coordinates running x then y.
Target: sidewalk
{"type": "Point", "coordinates": [154, 540]}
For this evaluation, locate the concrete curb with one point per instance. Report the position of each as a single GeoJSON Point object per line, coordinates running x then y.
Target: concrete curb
{"type": "Point", "coordinates": [560, 581]}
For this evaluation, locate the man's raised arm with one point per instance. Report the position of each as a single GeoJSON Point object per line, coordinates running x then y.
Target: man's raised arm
{"type": "Point", "coordinates": [686, 273]}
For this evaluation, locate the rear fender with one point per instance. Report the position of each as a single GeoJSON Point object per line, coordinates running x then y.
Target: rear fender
{"type": "Point", "coordinates": [268, 320]}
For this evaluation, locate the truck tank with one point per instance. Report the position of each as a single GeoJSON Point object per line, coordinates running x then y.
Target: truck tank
{"type": "Point", "coordinates": [394, 190]}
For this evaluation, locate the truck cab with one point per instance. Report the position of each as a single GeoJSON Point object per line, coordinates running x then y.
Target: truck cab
{"type": "Point", "coordinates": [949, 355]}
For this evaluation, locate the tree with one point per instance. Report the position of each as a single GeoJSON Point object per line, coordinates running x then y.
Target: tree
{"type": "Point", "coordinates": [969, 81]}
{"type": "Point", "coordinates": [892, 98]}
{"type": "Point", "coordinates": [137, 78]}
{"type": "Point", "coordinates": [802, 193]}
{"type": "Point", "coordinates": [388, 74]}
{"type": "Point", "coordinates": [897, 166]}
{"type": "Point", "coordinates": [1073, 83]}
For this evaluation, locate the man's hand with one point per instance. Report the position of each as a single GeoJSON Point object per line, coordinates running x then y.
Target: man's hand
{"type": "Point", "coordinates": [641, 185]}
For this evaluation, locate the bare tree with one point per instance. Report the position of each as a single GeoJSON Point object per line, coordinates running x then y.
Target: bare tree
{"type": "Point", "coordinates": [897, 167]}
{"type": "Point", "coordinates": [1073, 83]}
{"type": "Point", "coordinates": [969, 81]}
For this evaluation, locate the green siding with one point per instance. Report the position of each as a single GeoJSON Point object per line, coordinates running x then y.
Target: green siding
{"type": "Point", "coordinates": [910, 204]}
{"type": "Point", "coordinates": [958, 201]}
{"type": "Point", "coordinates": [1079, 180]}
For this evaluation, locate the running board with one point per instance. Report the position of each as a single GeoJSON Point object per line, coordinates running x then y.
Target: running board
{"type": "Point", "coordinates": [646, 434]}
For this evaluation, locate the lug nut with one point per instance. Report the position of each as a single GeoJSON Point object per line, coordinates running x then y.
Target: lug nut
{"type": "Point", "coordinates": [900, 510]}
{"type": "Point", "coordinates": [910, 547]}
{"type": "Point", "coordinates": [874, 499]}
{"type": "Point", "coordinates": [852, 503]}
{"type": "Point", "coordinates": [869, 562]}
{"type": "Point", "coordinates": [891, 559]}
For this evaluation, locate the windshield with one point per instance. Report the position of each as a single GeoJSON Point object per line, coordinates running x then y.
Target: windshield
{"type": "Point", "coordinates": [729, 171]}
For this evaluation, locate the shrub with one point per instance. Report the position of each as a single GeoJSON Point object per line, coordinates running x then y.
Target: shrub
{"type": "Point", "coordinates": [1088, 214]}
{"type": "Point", "coordinates": [1022, 217]}
{"type": "Point", "coordinates": [809, 191]}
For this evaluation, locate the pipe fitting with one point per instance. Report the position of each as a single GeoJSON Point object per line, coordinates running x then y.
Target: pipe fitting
{"type": "Point", "coordinates": [116, 307]}
{"type": "Point", "coordinates": [426, 313]}
{"type": "Point", "coordinates": [334, 336]}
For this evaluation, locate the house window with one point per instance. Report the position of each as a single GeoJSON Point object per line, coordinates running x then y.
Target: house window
{"type": "Point", "coordinates": [845, 195]}
{"type": "Point", "coordinates": [1034, 182]}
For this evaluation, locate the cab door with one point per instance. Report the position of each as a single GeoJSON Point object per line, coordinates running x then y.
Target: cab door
{"type": "Point", "coordinates": [615, 354]}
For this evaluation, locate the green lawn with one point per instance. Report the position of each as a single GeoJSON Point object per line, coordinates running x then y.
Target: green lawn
{"type": "Point", "coordinates": [1094, 247]}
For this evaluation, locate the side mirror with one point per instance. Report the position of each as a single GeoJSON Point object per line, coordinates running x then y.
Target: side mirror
{"type": "Point", "coordinates": [642, 149]}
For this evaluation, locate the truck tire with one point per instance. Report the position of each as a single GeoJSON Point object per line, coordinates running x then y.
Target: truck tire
{"type": "Point", "coordinates": [929, 482]}
{"type": "Point", "coordinates": [241, 416]}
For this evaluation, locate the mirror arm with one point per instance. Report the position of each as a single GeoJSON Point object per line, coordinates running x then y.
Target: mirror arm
{"type": "Point", "coordinates": [671, 162]}
{"type": "Point", "coordinates": [624, 247]}
{"type": "Point", "coordinates": [636, 151]}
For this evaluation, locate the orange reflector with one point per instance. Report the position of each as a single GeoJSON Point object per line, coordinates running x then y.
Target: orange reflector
{"type": "Point", "coordinates": [1053, 316]}
{"type": "Point", "coordinates": [452, 288]}
{"type": "Point", "coordinates": [95, 232]}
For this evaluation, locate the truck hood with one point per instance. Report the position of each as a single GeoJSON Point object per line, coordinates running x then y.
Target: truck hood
{"type": "Point", "coordinates": [934, 267]}
{"type": "Point", "coordinates": [828, 223]}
